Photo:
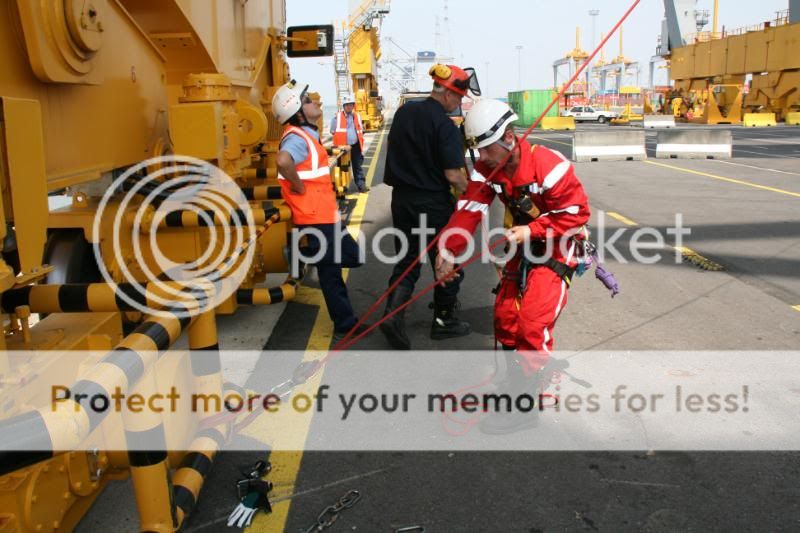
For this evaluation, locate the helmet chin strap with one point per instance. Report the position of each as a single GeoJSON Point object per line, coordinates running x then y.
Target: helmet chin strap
{"type": "Point", "coordinates": [304, 121]}
{"type": "Point", "coordinates": [507, 146]}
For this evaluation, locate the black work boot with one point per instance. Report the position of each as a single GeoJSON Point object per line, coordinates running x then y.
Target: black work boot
{"type": "Point", "coordinates": [515, 385]}
{"type": "Point", "coordinates": [502, 379]}
{"type": "Point", "coordinates": [338, 336]}
{"type": "Point", "coordinates": [394, 329]}
{"type": "Point", "coordinates": [446, 324]}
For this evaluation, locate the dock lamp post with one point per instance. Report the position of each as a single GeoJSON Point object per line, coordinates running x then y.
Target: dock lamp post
{"type": "Point", "coordinates": [592, 13]}
{"type": "Point", "coordinates": [486, 74]}
{"type": "Point", "coordinates": [519, 66]}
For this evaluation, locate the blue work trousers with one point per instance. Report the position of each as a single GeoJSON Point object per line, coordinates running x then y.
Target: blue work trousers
{"type": "Point", "coordinates": [329, 269]}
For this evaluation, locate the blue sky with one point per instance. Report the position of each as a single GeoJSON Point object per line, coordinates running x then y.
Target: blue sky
{"type": "Point", "coordinates": [482, 33]}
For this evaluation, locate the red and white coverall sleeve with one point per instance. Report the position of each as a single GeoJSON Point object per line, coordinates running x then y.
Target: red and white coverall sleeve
{"type": "Point", "coordinates": [566, 206]}
{"type": "Point", "coordinates": [471, 207]}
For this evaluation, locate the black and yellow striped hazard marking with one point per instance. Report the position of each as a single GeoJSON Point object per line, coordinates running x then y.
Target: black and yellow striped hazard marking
{"type": "Point", "coordinates": [268, 296]}
{"type": "Point", "coordinates": [263, 192]}
{"type": "Point", "coordinates": [72, 420]}
{"type": "Point", "coordinates": [206, 369]}
{"type": "Point", "coordinates": [73, 298]}
{"type": "Point", "coordinates": [147, 456]}
{"type": "Point", "coordinates": [186, 218]}
{"type": "Point", "coordinates": [259, 173]}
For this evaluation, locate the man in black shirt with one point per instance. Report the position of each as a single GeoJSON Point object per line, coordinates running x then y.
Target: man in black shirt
{"type": "Point", "coordinates": [425, 157]}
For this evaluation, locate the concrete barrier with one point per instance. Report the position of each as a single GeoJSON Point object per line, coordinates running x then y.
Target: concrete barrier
{"type": "Point", "coordinates": [691, 143]}
{"type": "Point", "coordinates": [793, 119]}
{"type": "Point", "coordinates": [558, 123]}
{"type": "Point", "coordinates": [616, 145]}
{"type": "Point", "coordinates": [658, 121]}
{"type": "Point", "coordinates": [759, 120]}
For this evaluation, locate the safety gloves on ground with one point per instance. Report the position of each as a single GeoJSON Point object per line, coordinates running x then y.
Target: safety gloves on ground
{"type": "Point", "coordinates": [242, 515]}
{"type": "Point", "coordinates": [253, 495]}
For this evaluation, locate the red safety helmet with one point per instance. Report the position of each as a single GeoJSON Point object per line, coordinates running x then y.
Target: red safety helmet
{"type": "Point", "coordinates": [456, 79]}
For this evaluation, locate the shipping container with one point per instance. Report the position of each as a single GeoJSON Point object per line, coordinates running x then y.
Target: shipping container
{"type": "Point", "coordinates": [528, 105]}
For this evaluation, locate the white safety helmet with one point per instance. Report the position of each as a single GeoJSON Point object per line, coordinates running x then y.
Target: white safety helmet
{"type": "Point", "coordinates": [288, 100]}
{"type": "Point", "coordinates": [486, 122]}
{"type": "Point", "coordinates": [348, 99]}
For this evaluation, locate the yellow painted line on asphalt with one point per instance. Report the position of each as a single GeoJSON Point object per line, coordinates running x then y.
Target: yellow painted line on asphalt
{"type": "Point", "coordinates": [698, 260]}
{"type": "Point", "coordinates": [624, 220]}
{"type": "Point", "coordinates": [688, 254]}
{"type": "Point", "coordinates": [286, 464]}
{"type": "Point", "coordinates": [754, 167]}
{"type": "Point", "coordinates": [723, 178]}
{"type": "Point", "coordinates": [796, 307]}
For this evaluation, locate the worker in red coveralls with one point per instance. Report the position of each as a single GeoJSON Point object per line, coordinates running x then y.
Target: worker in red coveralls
{"type": "Point", "coordinates": [549, 208]}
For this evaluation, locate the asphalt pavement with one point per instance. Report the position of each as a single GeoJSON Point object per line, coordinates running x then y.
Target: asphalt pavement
{"type": "Point", "coordinates": [744, 216]}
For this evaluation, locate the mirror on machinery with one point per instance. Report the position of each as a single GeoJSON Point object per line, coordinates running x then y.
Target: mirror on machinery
{"type": "Point", "coordinates": [309, 41]}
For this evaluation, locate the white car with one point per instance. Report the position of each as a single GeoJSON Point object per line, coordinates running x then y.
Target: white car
{"type": "Point", "coordinates": [586, 113]}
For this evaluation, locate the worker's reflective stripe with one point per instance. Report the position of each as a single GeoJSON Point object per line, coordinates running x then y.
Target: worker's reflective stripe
{"type": "Point", "coordinates": [312, 150]}
{"type": "Point", "coordinates": [318, 169]}
{"type": "Point", "coordinates": [555, 175]}
{"type": "Point", "coordinates": [477, 176]}
{"type": "Point", "coordinates": [359, 128]}
{"type": "Point", "coordinates": [473, 206]}
{"type": "Point", "coordinates": [341, 123]}
{"type": "Point", "coordinates": [572, 210]}
{"type": "Point", "coordinates": [340, 134]}
{"type": "Point", "coordinates": [313, 174]}
{"type": "Point", "coordinates": [310, 174]}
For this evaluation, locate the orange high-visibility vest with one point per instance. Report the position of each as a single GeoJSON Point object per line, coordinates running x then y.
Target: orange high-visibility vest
{"type": "Point", "coordinates": [340, 135]}
{"type": "Point", "coordinates": [318, 204]}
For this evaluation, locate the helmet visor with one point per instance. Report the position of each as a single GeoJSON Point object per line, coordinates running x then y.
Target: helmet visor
{"type": "Point", "coordinates": [304, 95]}
{"type": "Point", "coordinates": [472, 84]}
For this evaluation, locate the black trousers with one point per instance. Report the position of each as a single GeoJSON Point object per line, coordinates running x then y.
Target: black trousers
{"type": "Point", "coordinates": [356, 165]}
{"type": "Point", "coordinates": [408, 204]}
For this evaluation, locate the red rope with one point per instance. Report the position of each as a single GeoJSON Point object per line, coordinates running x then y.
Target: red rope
{"type": "Point", "coordinates": [347, 341]}
{"type": "Point", "coordinates": [343, 344]}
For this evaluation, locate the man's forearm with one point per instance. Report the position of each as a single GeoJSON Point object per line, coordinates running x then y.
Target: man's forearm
{"type": "Point", "coordinates": [290, 173]}
{"type": "Point", "coordinates": [457, 177]}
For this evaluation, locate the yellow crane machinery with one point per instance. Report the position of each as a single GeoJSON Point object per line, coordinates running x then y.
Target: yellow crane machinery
{"type": "Point", "coordinates": [710, 69]}
{"type": "Point", "coordinates": [628, 115]}
{"type": "Point", "coordinates": [153, 117]}
{"type": "Point", "coordinates": [357, 50]}
{"type": "Point", "coordinates": [573, 59]}
{"type": "Point", "coordinates": [617, 68]}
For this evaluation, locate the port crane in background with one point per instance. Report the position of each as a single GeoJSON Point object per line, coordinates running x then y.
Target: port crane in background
{"type": "Point", "coordinates": [573, 59]}
{"type": "Point", "coordinates": [710, 70]}
{"type": "Point", "coordinates": [619, 68]}
{"type": "Point", "coordinates": [357, 49]}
